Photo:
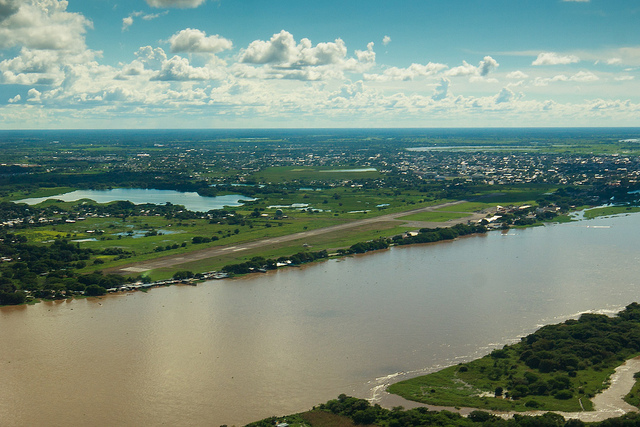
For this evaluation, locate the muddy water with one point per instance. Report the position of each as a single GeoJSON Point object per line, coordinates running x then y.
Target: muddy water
{"type": "Point", "coordinates": [234, 351]}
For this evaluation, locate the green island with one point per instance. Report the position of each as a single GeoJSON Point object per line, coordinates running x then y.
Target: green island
{"type": "Point", "coordinates": [557, 368]}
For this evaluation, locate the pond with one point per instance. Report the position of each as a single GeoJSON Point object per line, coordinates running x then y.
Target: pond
{"type": "Point", "coordinates": [191, 201]}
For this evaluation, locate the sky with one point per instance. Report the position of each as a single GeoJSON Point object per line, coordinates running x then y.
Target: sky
{"type": "Point", "coordinates": [159, 64]}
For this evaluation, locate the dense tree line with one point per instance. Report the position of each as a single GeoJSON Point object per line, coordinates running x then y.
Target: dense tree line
{"type": "Point", "coordinates": [362, 412]}
{"type": "Point", "coordinates": [47, 271]}
{"type": "Point", "coordinates": [594, 341]}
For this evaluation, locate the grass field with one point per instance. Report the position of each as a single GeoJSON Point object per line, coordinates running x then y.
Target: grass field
{"type": "Point", "coordinates": [436, 216]}
{"type": "Point", "coordinates": [610, 210]}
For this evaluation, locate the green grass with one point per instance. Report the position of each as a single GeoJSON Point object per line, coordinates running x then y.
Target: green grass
{"type": "Point", "coordinates": [435, 216]}
{"type": "Point", "coordinates": [41, 192]}
{"type": "Point", "coordinates": [633, 398]}
{"type": "Point", "coordinates": [468, 207]}
{"type": "Point", "coordinates": [610, 210]}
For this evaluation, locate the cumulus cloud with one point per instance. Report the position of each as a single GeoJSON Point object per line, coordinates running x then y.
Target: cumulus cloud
{"type": "Point", "coordinates": [196, 41]}
{"type": "Point", "coordinates": [442, 90]}
{"type": "Point", "coordinates": [282, 57]}
{"type": "Point", "coordinates": [282, 50]}
{"type": "Point", "coordinates": [386, 40]}
{"type": "Point", "coordinates": [179, 69]}
{"type": "Point", "coordinates": [505, 95]}
{"type": "Point", "coordinates": [485, 66]}
{"type": "Point", "coordinates": [410, 73]}
{"type": "Point", "coordinates": [182, 4]}
{"type": "Point", "coordinates": [366, 56]}
{"type": "Point", "coordinates": [15, 99]}
{"type": "Point", "coordinates": [517, 75]}
{"type": "Point", "coordinates": [42, 24]}
{"type": "Point", "coordinates": [552, 58]}
{"type": "Point", "coordinates": [34, 95]}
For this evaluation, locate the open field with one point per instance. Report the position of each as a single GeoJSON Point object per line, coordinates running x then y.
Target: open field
{"type": "Point", "coordinates": [610, 210]}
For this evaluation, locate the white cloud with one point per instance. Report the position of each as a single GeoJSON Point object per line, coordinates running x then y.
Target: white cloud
{"type": "Point", "coordinates": [386, 40]}
{"type": "Point", "coordinates": [584, 76]}
{"type": "Point", "coordinates": [580, 77]}
{"type": "Point", "coordinates": [179, 69]}
{"type": "Point", "coordinates": [624, 78]}
{"type": "Point", "coordinates": [282, 50]}
{"type": "Point", "coordinates": [42, 24]}
{"type": "Point", "coordinates": [485, 66]}
{"type": "Point", "coordinates": [34, 95]}
{"type": "Point", "coordinates": [282, 58]}
{"type": "Point", "coordinates": [405, 74]}
{"type": "Point", "coordinates": [552, 58]}
{"type": "Point", "coordinates": [367, 56]}
{"type": "Point", "coordinates": [517, 75]}
{"type": "Point", "coordinates": [182, 4]}
{"type": "Point", "coordinates": [196, 41]}
{"type": "Point", "coordinates": [505, 95]}
{"type": "Point", "coordinates": [15, 99]}
{"type": "Point", "coordinates": [127, 22]}
{"type": "Point", "coordinates": [442, 90]}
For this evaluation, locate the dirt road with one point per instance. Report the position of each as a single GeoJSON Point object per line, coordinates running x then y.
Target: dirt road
{"type": "Point", "coordinates": [174, 260]}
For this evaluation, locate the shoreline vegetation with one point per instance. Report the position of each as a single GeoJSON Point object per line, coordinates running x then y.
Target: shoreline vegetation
{"type": "Point", "coordinates": [547, 379]}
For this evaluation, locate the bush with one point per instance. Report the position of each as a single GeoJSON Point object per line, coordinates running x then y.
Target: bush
{"type": "Point", "coordinates": [95, 291]}
{"type": "Point", "coordinates": [563, 395]}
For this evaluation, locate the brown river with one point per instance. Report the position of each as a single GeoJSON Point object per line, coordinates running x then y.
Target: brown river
{"type": "Point", "coordinates": [235, 351]}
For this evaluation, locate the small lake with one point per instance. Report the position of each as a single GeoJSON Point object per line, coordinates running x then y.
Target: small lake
{"type": "Point", "coordinates": [191, 201]}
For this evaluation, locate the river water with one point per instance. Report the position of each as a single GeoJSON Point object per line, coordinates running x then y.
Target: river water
{"type": "Point", "coordinates": [235, 351]}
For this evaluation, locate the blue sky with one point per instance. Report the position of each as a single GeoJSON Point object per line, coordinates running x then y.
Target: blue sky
{"type": "Point", "coordinates": [258, 63]}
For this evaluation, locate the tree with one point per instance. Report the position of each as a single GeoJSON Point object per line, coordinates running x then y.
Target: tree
{"type": "Point", "coordinates": [95, 291]}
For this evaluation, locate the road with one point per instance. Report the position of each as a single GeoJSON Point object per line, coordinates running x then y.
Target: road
{"type": "Point", "coordinates": [175, 260]}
